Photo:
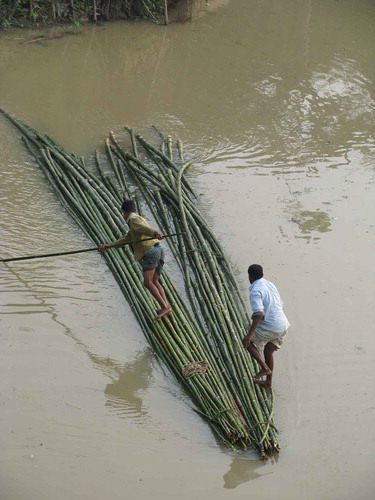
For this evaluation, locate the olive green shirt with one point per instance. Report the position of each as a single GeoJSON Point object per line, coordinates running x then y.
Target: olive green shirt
{"type": "Point", "coordinates": [138, 230]}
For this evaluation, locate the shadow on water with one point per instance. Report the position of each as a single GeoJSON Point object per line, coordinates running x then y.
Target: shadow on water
{"type": "Point", "coordinates": [241, 471]}
{"type": "Point", "coordinates": [129, 380]}
{"type": "Point", "coordinates": [124, 393]}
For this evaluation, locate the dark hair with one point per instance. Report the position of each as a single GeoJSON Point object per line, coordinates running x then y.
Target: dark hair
{"type": "Point", "coordinates": [128, 206]}
{"type": "Point", "coordinates": [255, 271]}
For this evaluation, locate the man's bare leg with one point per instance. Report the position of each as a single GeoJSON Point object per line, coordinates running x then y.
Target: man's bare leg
{"type": "Point", "coordinates": [160, 287]}
{"type": "Point", "coordinates": [268, 357]}
{"type": "Point", "coordinates": [269, 349]}
{"type": "Point", "coordinates": [148, 277]}
{"type": "Point", "coordinates": [265, 370]}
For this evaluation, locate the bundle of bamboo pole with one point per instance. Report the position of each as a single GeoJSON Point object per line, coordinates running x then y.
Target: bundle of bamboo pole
{"type": "Point", "coordinates": [201, 343]}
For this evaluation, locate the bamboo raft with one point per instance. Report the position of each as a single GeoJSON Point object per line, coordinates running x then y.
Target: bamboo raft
{"type": "Point", "coordinates": [201, 343]}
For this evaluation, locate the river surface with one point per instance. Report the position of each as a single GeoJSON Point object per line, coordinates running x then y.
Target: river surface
{"type": "Point", "coordinates": [276, 100]}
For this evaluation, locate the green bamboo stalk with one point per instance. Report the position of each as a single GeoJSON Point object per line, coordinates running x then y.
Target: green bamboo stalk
{"type": "Point", "coordinates": [133, 141]}
{"type": "Point", "coordinates": [169, 147]}
{"type": "Point", "coordinates": [180, 148]}
{"type": "Point", "coordinates": [239, 412]}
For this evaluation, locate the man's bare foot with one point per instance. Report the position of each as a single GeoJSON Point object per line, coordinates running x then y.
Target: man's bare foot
{"type": "Point", "coordinates": [162, 312]}
{"type": "Point", "coordinates": [158, 311]}
{"type": "Point", "coordinates": [264, 383]}
{"type": "Point", "coordinates": [263, 373]}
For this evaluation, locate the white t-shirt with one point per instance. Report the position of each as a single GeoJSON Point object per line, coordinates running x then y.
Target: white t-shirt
{"type": "Point", "coordinates": [265, 297]}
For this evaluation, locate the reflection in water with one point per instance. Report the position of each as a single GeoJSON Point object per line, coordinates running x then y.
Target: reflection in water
{"type": "Point", "coordinates": [327, 102]}
{"type": "Point", "coordinates": [309, 221]}
{"type": "Point", "coordinates": [241, 471]}
{"type": "Point", "coordinates": [345, 86]}
{"type": "Point", "coordinates": [129, 380]}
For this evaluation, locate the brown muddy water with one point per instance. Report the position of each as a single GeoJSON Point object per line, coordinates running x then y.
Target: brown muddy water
{"type": "Point", "coordinates": [276, 100]}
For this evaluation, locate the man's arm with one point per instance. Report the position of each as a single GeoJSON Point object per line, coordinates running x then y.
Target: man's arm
{"type": "Point", "coordinates": [124, 239]}
{"type": "Point", "coordinates": [257, 318]}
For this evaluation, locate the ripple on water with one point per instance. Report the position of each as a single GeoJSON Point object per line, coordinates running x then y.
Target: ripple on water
{"type": "Point", "coordinates": [239, 155]}
{"type": "Point", "coordinates": [345, 86]}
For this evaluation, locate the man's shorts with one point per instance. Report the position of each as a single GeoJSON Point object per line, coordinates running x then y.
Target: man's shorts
{"type": "Point", "coordinates": [262, 337]}
{"type": "Point", "coordinates": [153, 260]}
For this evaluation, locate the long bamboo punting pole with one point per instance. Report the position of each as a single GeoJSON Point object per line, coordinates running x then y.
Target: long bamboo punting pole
{"type": "Point", "coordinates": [72, 252]}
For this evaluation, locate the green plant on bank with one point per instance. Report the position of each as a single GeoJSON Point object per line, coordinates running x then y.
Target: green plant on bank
{"type": "Point", "coordinates": [47, 11]}
{"type": "Point", "coordinates": [5, 24]}
{"type": "Point", "coordinates": [88, 10]}
{"type": "Point", "coordinates": [83, 9]}
{"type": "Point", "coordinates": [39, 13]}
{"type": "Point", "coordinates": [9, 10]}
{"type": "Point", "coordinates": [75, 27]}
{"type": "Point", "coordinates": [155, 6]}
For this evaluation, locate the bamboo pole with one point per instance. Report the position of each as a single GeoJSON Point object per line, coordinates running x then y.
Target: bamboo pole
{"type": "Point", "coordinates": [211, 328]}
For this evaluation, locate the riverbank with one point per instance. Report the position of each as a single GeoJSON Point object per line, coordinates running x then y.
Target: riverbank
{"type": "Point", "coordinates": [41, 13]}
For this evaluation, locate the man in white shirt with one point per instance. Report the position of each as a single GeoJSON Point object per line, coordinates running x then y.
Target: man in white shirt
{"type": "Point", "coordinates": [269, 323]}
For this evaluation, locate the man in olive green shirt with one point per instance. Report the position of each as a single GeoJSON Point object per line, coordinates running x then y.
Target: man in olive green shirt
{"type": "Point", "coordinates": [149, 253]}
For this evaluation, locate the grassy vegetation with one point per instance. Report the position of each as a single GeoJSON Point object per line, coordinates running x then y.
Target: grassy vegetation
{"type": "Point", "coordinates": [21, 13]}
